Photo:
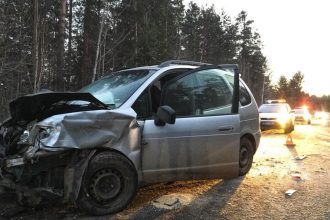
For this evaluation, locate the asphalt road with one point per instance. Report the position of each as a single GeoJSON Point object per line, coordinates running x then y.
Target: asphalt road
{"type": "Point", "coordinates": [261, 194]}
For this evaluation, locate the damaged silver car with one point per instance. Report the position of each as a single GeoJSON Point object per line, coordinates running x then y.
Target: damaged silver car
{"type": "Point", "coordinates": [179, 120]}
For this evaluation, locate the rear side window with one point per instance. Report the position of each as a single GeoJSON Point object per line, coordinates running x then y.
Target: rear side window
{"type": "Point", "coordinates": [244, 96]}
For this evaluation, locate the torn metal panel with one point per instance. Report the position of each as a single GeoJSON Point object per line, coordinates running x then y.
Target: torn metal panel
{"type": "Point", "coordinates": [74, 172]}
{"type": "Point", "coordinates": [15, 162]}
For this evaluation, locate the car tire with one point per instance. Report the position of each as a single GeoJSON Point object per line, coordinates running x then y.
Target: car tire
{"type": "Point", "coordinates": [109, 184]}
{"type": "Point", "coordinates": [245, 156]}
{"type": "Point", "coordinates": [289, 128]}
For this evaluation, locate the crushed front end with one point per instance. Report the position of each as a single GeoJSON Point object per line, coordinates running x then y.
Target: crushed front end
{"type": "Point", "coordinates": [27, 169]}
{"type": "Point", "coordinates": [46, 144]}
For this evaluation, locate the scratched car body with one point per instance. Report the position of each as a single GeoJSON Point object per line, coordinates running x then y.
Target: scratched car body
{"type": "Point", "coordinates": [175, 121]}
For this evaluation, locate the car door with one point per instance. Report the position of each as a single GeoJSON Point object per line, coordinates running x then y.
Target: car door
{"type": "Point", "coordinates": [204, 140]}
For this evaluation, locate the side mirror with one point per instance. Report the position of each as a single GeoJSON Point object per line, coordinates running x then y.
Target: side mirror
{"type": "Point", "coordinates": [165, 114]}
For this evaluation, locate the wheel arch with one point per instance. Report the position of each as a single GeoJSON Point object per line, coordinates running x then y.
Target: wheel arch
{"type": "Point", "coordinates": [103, 149]}
{"type": "Point", "coordinates": [127, 181]}
{"type": "Point", "coordinates": [134, 157]}
{"type": "Point", "coordinates": [77, 168]}
{"type": "Point", "coordinates": [252, 139]}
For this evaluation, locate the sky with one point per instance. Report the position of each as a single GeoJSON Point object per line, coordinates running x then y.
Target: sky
{"type": "Point", "coordinates": [295, 36]}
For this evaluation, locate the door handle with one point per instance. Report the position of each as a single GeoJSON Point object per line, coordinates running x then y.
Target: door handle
{"type": "Point", "coordinates": [224, 129]}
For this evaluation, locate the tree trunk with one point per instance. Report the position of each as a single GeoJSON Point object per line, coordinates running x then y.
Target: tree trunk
{"type": "Point", "coordinates": [88, 47]}
{"type": "Point", "coordinates": [98, 46]}
{"type": "Point", "coordinates": [60, 48]}
{"type": "Point", "coordinates": [69, 58]}
{"type": "Point", "coordinates": [136, 33]}
{"type": "Point", "coordinates": [41, 48]}
{"type": "Point", "coordinates": [35, 50]}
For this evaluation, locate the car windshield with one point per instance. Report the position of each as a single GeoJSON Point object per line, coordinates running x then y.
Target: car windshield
{"type": "Point", "coordinates": [271, 108]}
{"type": "Point", "coordinates": [115, 89]}
{"type": "Point", "coordinates": [299, 111]}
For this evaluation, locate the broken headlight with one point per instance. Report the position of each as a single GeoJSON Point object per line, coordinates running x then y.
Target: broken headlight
{"type": "Point", "coordinates": [47, 136]}
{"type": "Point", "coordinates": [45, 132]}
{"type": "Point", "coordinates": [24, 138]}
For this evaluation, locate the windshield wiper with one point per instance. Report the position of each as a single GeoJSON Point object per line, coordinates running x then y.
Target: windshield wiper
{"type": "Point", "coordinates": [111, 106]}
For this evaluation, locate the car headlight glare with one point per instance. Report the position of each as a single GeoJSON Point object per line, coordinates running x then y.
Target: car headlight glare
{"type": "Point", "coordinates": [283, 119]}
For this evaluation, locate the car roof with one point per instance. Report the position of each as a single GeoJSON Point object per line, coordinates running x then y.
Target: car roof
{"type": "Point", "coordinates": [274, 104]}
{"type": "Point", "coordinates": [273, 101]}
{"type": "Point", "coordinates": [185, 64]}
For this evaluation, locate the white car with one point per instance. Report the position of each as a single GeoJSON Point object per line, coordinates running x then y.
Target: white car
{"type": "Point", "coordinates": [302, 115]}
{"type": "Point", "coordinates": [276, 116]}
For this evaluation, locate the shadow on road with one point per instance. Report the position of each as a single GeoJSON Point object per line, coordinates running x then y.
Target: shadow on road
{"type": "Point", "coordinates": [205, 206]}
{"type": "Point", "coordinates": [10, 209]}
{"type": "Point", "coordinates": [293, 151]}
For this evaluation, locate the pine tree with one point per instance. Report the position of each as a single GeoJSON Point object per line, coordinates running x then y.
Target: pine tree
{"type": "Point", "coordinates": [252, 62]}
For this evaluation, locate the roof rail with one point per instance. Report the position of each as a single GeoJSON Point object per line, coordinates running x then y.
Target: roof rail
{"type": "Point", "coordinates": [229, 67]}
{"type": "Point", "coordinates": [182, 62]}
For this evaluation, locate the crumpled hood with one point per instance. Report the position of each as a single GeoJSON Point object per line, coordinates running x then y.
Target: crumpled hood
{"type": "Point", "coordinates": [30, 106]}
{"type": "Point", "coordinates": [100, 128]}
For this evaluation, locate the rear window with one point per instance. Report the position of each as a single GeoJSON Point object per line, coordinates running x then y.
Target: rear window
{"type": "Point", "coordinates": [244, 96]}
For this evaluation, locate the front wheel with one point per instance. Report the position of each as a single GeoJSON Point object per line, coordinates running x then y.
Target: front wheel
{"type": "Point", "coordinates": [289, 128]}
{"type": "Point", "coordinates": [109, 184]}
{"type": "Point", "coordinates": [245, 156]}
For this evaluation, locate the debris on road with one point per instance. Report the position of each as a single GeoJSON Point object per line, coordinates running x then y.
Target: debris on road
{"type": "Point", "coordinates": [290, 192]}
{"type": "Point", "coordinates": [296, 176]}
{"type": "Point", "coordinates": [172, 201]}
{"type": "Point", "coordinates": [300, 157]}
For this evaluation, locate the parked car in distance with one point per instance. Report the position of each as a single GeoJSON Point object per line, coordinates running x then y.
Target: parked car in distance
{"type": "Point", "coordinates": [321, 115]}
{"type": "Point", "coordinates": [179, 120]}
{"type": "Point", "coordinates": [302, 115]}
{"type": "Point", "coordinates": [277, 115]}
{"type": "Point", "coordinates": [273, 101]}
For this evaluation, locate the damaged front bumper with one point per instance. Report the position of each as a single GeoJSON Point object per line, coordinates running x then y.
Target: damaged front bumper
{"type": "Point", "coordinates": [35, 178]}
{"type": "Point", "coordinates": [53, 154]}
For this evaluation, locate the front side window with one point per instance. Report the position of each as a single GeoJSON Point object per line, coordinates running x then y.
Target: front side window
{"type": "Point", "coordinates": [206, 92]}
{"type": "Point", "coordinates": [116, 88]}
{"type": "Point", "coordinates": [216, 93]}
{"type": "Point", "coordinates": [180, 95]}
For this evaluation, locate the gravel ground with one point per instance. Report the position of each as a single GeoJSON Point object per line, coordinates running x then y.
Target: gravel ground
{"type": "Point", "coordinates": [258, 195]}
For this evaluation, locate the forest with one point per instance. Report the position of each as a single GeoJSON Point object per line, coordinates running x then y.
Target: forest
{"type": "Point", "coordinates": [64, 45]}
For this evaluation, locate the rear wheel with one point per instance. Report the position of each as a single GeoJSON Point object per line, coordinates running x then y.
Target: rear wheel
{"type": "Point", "coordinates": [245, 156]}
{"type": "Point", "coordinates": [109, 184]}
